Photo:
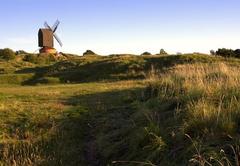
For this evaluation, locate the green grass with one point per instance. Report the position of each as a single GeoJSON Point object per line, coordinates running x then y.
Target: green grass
{"type": "Point", "coordinates": [122, 110]}
{"type": "Point", "coordinates": [48, 125]}
{"type": "Point", "coordinates": [74, 69]}
{"type": "Point", "coordinates": [15, 78]}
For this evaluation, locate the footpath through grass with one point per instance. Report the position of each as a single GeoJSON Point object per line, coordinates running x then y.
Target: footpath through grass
{"type": "Point", "coordinates": [49, 125]}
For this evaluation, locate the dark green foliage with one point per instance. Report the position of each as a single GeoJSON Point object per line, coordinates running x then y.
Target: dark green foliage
{"type": "Point", "coordinates": [146, 53]}
{"type": "Point", "coordinates": [163, 52]}
{"type": "Point", "coordinates": [237, 53]}
{"type": "Point", "coordinates": [225, 52]}
{"type": "Point", "coordinates": [7, 54]}
{"type": "Point", "coordinates": [89, 52]}
{"type": "Point", "coordinates": [21, 52]}
{"type": "Point", "coordinates": [212, 52]}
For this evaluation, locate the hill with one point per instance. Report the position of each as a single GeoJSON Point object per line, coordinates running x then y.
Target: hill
{"type": "Point", "coordinates": [120, 110]}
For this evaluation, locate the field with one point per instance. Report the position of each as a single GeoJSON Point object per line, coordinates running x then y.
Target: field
{"type": "Point", "coordinates": [120, 110]}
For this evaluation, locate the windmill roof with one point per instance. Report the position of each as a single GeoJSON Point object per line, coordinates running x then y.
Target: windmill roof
{"type": "Point", "coordinates": [44, 30]}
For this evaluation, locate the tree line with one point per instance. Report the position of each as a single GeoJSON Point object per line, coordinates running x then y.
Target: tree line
{"type": "Point", "coordinates": [9, 54]}
{"type": "Point", "coordinates": [227, 53]}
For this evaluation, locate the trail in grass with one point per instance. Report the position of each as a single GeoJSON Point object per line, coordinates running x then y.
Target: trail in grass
{"type": "Point", "coordinates": [58, 123]}
{"type": "Point", "coordinates": [102, 107]}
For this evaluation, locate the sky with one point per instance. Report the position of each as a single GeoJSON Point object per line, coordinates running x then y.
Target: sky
{"type": "Point", "coordinates": [123, 26]}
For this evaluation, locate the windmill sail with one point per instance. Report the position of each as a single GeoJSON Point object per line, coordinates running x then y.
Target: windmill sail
{"type": "Point", "coordinates": [55, 26]}
{"type": "Point", "coordinates": [53, 29]}
{"type": "Point", "coordinates": [58, 39]}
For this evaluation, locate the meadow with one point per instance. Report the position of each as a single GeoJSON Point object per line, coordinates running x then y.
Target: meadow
{"type": "Point", "coordinates": [120, 110]}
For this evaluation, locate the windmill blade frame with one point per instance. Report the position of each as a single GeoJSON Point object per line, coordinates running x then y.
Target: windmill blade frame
{"type": "Point", "coordinates": [53, 29]}
{"type": "Point", "coordinates": [47, 26]}
{"type": "Point", "coordinates": [55, 26]}
{"type": "Point", "coordinates": [58, 39]}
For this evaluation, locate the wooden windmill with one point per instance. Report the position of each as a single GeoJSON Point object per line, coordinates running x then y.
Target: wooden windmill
{"type": "Point", "coordinates": [46, 38]}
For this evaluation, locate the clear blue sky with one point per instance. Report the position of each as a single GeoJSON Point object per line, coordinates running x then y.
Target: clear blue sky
{"type": "Point", "coordinates": [123, 26]}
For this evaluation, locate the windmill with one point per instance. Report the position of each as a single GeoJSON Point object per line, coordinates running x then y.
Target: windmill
{"type": "Point", "coordinates": [46, 38]}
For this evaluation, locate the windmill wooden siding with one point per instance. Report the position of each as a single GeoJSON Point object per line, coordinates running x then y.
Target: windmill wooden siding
{"type": "Point", "coordinates": [45, 38]}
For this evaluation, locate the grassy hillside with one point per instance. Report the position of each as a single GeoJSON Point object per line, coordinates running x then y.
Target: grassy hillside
{"type": "Point", "coordinates": [120, 110]}
{"type": "Point", "coordinates": [75, 69]}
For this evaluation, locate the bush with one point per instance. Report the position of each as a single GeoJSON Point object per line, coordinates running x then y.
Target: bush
{"type": "Point", "coordinates": [146, 53]}
{"type": "Point", "coordinates": [237, 53]}
{"type": "Point", "coordinates": [163, 52]}
{"type": "Point", "coordinates": [212, 52]}
{"type": "Point", "coordinates": [30, 58]}
{"type": "Point", "coordinates": [19, 52]}
{"type": "Point", "coordinates": [7, 54]}
{"type": "Point", "coordinates": [227, 53]}
{"type": "Point", "coordinates": [89, 52]}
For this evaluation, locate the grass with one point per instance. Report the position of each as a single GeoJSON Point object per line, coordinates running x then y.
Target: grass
{"type": "Point", "coordinates": [73, 69]}
{"type": "Point", "coordinates": [46, 125]}
{"type": "Point", "coordinates": [122, 110]}
{"type": "Point", "coordinates": [15, 78]}
{"type": "Point", "coordinates": [200, 100]}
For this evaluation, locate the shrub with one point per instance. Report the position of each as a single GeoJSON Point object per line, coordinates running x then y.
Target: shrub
{"type": "Point", "coordinates": [30, 58]}
{"type": "Point", "coordinates": [19, 52]}
{"type": "Point", "coordinates": [163, 52]}
{"type": "Point", "coordinates": [225, 52]}
{"type": "Point", "coordinates": [212, 52]}
{"type": "Point", "coordinates": [146, 53]}
{"type": "Point", "coordinates": [89, 52]}
{"type": "Point", "coordinates": [7, 54]}
{"type": "Point", "coordinates": [237, 53]}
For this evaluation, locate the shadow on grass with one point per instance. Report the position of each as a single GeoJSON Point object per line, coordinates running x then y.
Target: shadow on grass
{"type": "Point", "coordinates": [106, 108]}
{"type": "Point", "coordinates": [71, 138]}
{"type": "Point", "coordinates": [110, 68]}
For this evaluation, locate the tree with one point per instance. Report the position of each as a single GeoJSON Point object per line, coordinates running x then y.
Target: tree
{"type": "Point", "coordinates": [163, 52]}
{"type": "Point", "coordinates": [225, 52]}
{"type": "Point", "coordinates": [146, 53]}
{"type": "Point", "coordinates": [89, 52]}
{"type": "Point", "coordinates": [237, 53]}
{"type": "Point", "coordinates": [212, 52]}
{"type": "Point", "coordinates": [7, 54]}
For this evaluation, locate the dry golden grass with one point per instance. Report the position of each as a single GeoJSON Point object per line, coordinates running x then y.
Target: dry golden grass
{"type": "Point", "coordinates": [204, 99]}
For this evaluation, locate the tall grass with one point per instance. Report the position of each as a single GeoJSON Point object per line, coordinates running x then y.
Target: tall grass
{"type": "Point", "coordinates": [201, 100]}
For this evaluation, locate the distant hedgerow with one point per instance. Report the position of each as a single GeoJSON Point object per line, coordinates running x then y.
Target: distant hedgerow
{"type": "Point", "coordinates": [227, 53]}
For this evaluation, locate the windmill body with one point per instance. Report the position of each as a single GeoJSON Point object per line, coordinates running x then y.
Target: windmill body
{"type": "Point", "coordinates": [46, 38]}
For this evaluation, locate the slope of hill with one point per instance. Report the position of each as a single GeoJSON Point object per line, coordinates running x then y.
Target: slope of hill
{"type": "Point", "coordinates": [74, 69]}
{"type": "Point", "coordinates": [120, 110]}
